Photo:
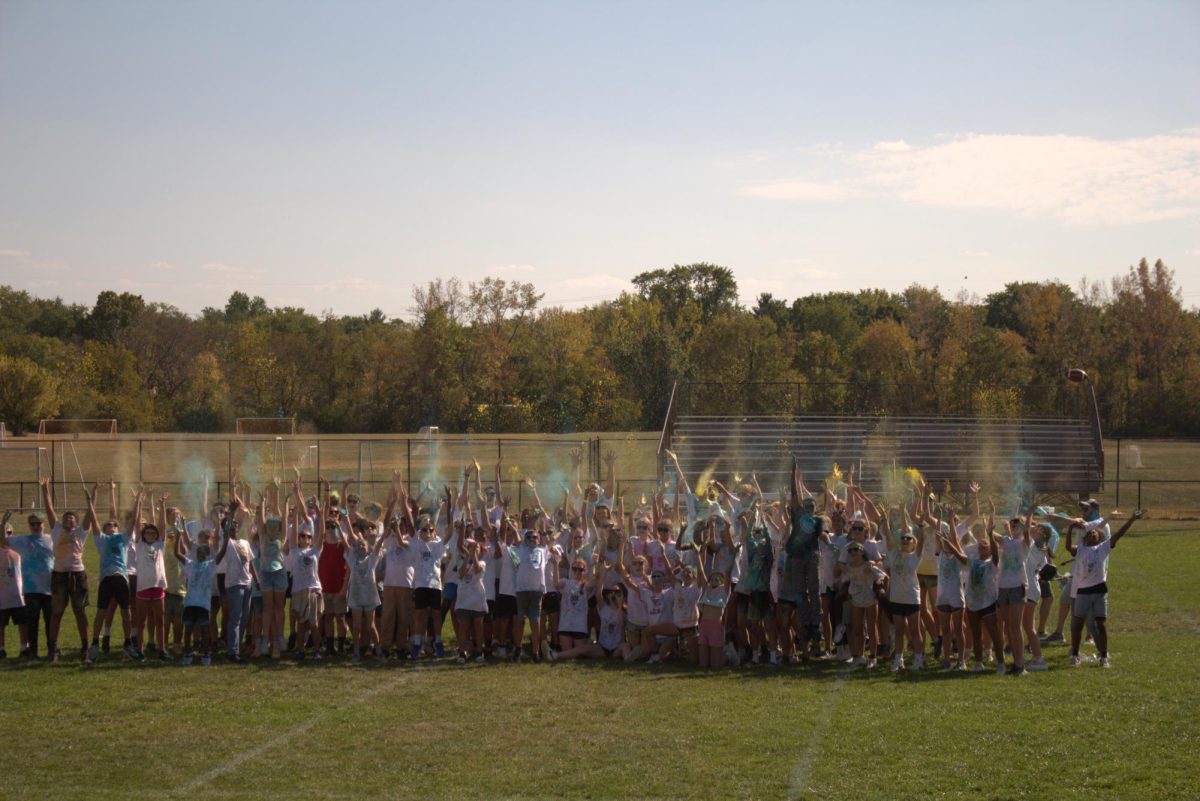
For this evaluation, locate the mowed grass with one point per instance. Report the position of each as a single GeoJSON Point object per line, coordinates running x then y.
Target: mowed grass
{"type": "Point", "coordinates": [599, 730]}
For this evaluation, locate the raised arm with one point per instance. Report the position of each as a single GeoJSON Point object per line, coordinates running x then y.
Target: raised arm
{"type": "Point", "coordinates": [113, 511]}
{"type": "Point", "coordinates": [610, 461]}
{"type": "Point", "coordinates": [91, 521]}
{"type": "Point", "coordinates": [1119, 533]}
{"type": "Point", "coordinates": [682, 480]}
{"type": "Point", "coordinates": [48, 502]}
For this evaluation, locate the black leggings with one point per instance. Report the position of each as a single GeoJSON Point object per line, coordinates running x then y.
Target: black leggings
{"type": "Point", "coordinates": [36, 603]}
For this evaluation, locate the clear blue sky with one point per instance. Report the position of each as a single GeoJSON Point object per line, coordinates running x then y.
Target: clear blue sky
{"type": "Point", "coordinates": [332, 155]}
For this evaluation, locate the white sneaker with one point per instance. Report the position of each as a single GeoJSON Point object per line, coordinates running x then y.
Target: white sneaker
{"type": "Point", "coordinates": [897, 663]}
{"type": "Point", "coordinates": [839, 632]}
{"type": "Point", "coordinates": [870, 664]}
{"type": "Point", "coordinates": [774, 659]}
{"type": "Point", "coordinates": [756, 658]}
{"type": "Point", "coordinates": [919, 662]}
{"type": "Point", "coordinates": [1038, 664]}
{"type": "Point", "coordinates": [979, 668]}
{"type": "Point", "coordinates": [501, 652]}
{"type": "Point", "coordinates": [731, 655]}
{"type": "Point", "coordinates": [1001, 669]}
{"type": "Point", "coordinates": [1075, 660]}
{"type": "Point", "coordinates": [961, 665]}
{"type": "Point", "coordinates": [1104, 663]}
{"type": "Point", "coordinates": [858, 662]}
{"type": "Point", "coordinates": [552, 655]}
{"type": "Point", "coordinates": [655, 658]}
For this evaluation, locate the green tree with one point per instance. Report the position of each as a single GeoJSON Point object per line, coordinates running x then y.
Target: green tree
{"type": "Point", "coordinates": [708, 287]}
{"type": "Point", "coordinates": [27, 393]}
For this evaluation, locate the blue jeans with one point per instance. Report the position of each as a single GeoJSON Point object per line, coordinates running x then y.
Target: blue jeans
{"type": "Point", "coordinates": [239, 612]}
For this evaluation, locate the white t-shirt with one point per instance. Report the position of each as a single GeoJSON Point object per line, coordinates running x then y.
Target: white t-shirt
{"type": "Point", "coordinates": [68, 548]}
{"type": "Point", "coordinates": [236, 562]}
{"type": "Point", "coordinates": [508, 571]}
{"type": "Point", "coordinates": [685, 606]}
{"type": "Point", "coordinates": [303, 567]}
{"type": "Point", "coordinates": [152, 572]}
{"type": "Point", "coordinates": [573, 611]}
{"type": "Point", "coordinates": [950, 581]}
{"type": "Point", "coordinates": [638, 603]}
{"type": "Point", "coordinates": [828, 551]}
{"type": "Point", "coordinates": [903, 586]}
{"type": "Point", "coordinates": [861, 581]}
{"type": "Point", "coordinates": [397, 564]}
{"type": "Point", "coordinates": [427, 562]}
{"type": "Point", "coordinates": [472, 589]}
{"type": "Point", "coordinates": [1091, 565]}
{"type": "Point", "coordinates": [531, 573]}
{"type": "Point", "coordinates": [1036, 560]}
{"type": "Point", "coordinates": [611, 626]}
{"type": "Point", "coordinates": [1013, 553]}
{"type": "Point", "coordinates": [982, 587]}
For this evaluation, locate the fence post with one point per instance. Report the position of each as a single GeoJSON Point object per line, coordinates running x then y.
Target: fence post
{"type": "Point", "coordinates": [141, 478]}
{"type": "Point", "coordinates": [1117, 502]}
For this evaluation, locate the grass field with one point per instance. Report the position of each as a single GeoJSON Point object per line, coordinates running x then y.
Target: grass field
{"type": "Point", "coordinates": [440, 731]}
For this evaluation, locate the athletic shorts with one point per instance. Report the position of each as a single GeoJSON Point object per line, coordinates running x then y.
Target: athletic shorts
{"type": "Point", "coordinates": [152, 594]}
{"type": "Point", "coordinates": [529, 604]}
{"type": "Point", "coordinates": [308, 605]}
{"type": "Point", "coordinates": [15, 614]}
{"type": "Point", "coordinates": [256, 604]}
{"type": "Point", "coordinates": [551, 603]}
{"type": "Point", "coordinates": [469, 614]}
{"type": "Point", "coordinates": [1011, 595]}
{"type": "Point", "coordinates": [948, 609]}
{"type": "Point", "coordinates": [574, 635]}
{"type": "Point", "coordinates": [762, 606]}
{"type": "Point", "coordinates": [927, 582]}
{"type": "Point", "coordinates": [450, 594]}
{"type": "Point", "coordinates": [1044, 587]}
{"type": "Point", "coordinates": [427, 598]}
{"type": "Point", "coordinates": [173, 608]}
{"type": "Point", "coordinates": [273, 580]}
{"type": "Point", "coordinates": [1090, 603]}
{"type": "Point", "coordinates": [986, 611]}
{"type": "Point", "coordinates": [132, 579]}
{"type": "Point", "coordinates": [506, 606]}
{"type": "Point", "coordinates": [333, 603]}
{"type": "Point", "coordinates": [712, 633]}
{"type": "Point", "coordinates": [113, 588]}
{"type": "Point", "coordinates": [902, 610]}
{"type": "Point", "coordinates": [68, 588]}
{"type": "Point", "coordinates": [195, 616]}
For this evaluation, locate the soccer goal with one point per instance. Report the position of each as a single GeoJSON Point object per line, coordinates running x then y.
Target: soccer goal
{"type": "Point", "coordinates": [98, 426]}
{"type": "Point", "coordinates": [266, 425]}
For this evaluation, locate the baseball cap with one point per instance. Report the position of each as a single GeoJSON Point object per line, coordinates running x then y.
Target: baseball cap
{"type": "Point", "coordinates": [1092, 502]}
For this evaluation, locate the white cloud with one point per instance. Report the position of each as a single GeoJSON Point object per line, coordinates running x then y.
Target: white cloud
{"type": "Point", "coordinates": [12, 253]}
{"type": "Point", "coordinates": [161, 265]}
{"type": "Point", "coordinates": [977, 254]}
{"type": "Point", "coordinates": [509, 269]}
{"type": "Point", "coordinates": [796, 190]}
{"type": "Point", "coordinates": [1192, 252]}
{"type": "Point", "coordinates": [1077, 180]}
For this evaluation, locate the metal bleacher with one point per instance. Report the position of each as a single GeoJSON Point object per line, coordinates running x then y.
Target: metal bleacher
{"type": "Point", "coordinates": [1046, 454]}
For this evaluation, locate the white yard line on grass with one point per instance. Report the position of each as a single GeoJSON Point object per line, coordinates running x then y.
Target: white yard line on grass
{"type": "Point", "coordinates": [804, 765]}
{"type": "Point", "coordinates": [292, 733]}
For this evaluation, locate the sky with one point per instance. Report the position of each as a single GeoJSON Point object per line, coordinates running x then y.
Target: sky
{"type": "Point", "coordinates": [332, 155]}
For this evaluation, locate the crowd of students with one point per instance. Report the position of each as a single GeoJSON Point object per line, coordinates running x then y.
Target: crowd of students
{"type": "Point", "coordinates": [704, 574]}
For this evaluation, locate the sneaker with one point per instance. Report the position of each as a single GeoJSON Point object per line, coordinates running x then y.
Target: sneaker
{"type": "Point", "coordinates": [1075, 660]}
{"type": "Point", "coordinates": [551, 655]}
{"type": "Point", "coordinates": [462, 658]}
{"type": "Point", "coordinates": [774, 659]}
{"type": "Point", "coordinates": [105, 642]}
{"type": "Point", "coordinates": [870, 664]}
{"type": "Point", "coordinates": [501, 652]}
{"type": "Point", "coordinates": [1020, 671]}
{"type": "Point", "coordinates": [480, 659]}
{"type": "Point", "coordinates": [85, 656]}
{"type": "Point", "coordinates": [656, 658]}
{"type": "Point", "coordinates": [1001, 669]}
{"type": "Point", "coordinates": [635, 654]}
{"type": "Point", "coordinates": [1038, 664]}
{"type": "Point", "coordinates": [858, 662]}
{"type": "Point", "coordinates": [138, 655]}
{"type": "Point", "coordinates": [54, 655]}
{"type": "Point", "coordinates": [946, 665]}
{"type": "Point", "coordinates": [186, 660]}
{"type": "Point", "coordinates": [756, 658]}
{"type": "Point", "coordinates": [517, 656]}
{"type": "Point", "coordinates": [919, 662]}
{"type": "Point", "coordinates": [298, 657]}
{"type": "Point", "coordinates": [206, 660]}
{"type": "Point", "coordinates": [93, 652]}
{"type": "Point", "coordinates": [163, 656]}
{"type": "Point", "coordinates": [897, 663]}
{"type": "Point", "coordinates": [27, 654]}
{"type": "Point", "coordinates": [962, 665]}
{"type": "Point", "coordinates": [439, 650]}
{"type": "Point", "coordinates": [356, 659]}
{"type": "Point", "coordinates": [380, 656]}
{"type": "Point", "coordinates": [839, 633]}
{"type": "Point", "coordinates": [414, 652]}
{"type": "Point", "coordinates": [979, 668]}
{"type": "Point", "coordinates": [1055, 637]}
{"type": "Point", "coordinates": [1104, 663]}
{"type": "Point", "coordinates": [130, 651]}
{"type": "Point", "coordinates": [317, 655]}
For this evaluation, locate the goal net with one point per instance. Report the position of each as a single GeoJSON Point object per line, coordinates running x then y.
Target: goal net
{"type": "Point", "coordinates": [100, 426]}
{"type": "Point", "coordinates": [266, 425]}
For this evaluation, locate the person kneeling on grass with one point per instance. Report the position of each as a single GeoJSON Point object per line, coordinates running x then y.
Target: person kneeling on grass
{"type": "Point", "coordinates": [197, 603]}
{"type": "Point", "coordinates": [1091, 585]}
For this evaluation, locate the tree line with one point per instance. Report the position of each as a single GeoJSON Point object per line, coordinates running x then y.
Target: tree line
{"type": "Point", "coordinates": [487, 356]}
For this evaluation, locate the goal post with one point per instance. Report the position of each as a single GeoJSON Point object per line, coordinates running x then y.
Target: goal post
{"type": "Point", "coordinates": [94, 426]}
{"type": "Point", "coordinates": [266, 425]}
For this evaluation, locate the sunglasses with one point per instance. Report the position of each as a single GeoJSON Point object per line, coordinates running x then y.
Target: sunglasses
{"type": "Point", "coordinates": [577, 570]}
{"type": "Point", "coordinates": [664, 529]}
{"type": "Point", "coordinates": [858, 528]}
{"type": "Point", "coordinates": [427, 528]}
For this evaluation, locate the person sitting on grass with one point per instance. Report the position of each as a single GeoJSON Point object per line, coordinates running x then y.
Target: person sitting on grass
{"type": "Point", "coordinates": [573, 609]}
{"type": "Point", "coordinates": [1091, 585]}
{"type": "Point", "coordinates": [198, 570]}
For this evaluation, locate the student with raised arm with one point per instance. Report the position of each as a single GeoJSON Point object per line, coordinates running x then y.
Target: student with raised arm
{"type": "Point", "coordinates": [426, 553]}
{"type": "Point", "coordinates": [112, 546]}
{"type": "Point", "coordinates": [37, 566]}
{"type": "Point", "coordinates": [1091, 584]}
{"type": "Point", "coordinates": [981, 592]}
{"type": "Point", "coordinates": [638, 593]}
{"type": "Point", "coordinates": [714, 598]}
{"type": "Point", "coordinates": [1010, 602]}
{"type": "Point", "coordinates": [68, 582]}
{"type": "Point", "coordinates": [12, 596]}
{"type": "Point", "coordinates": [236, 556]}
{"type": "Point", "coordinates": [470, 606]}
{"type": "Point", "coordinates": [861, 578]}
{"type": "Point", "coordinates": [199, 569]}
{"type": "Point", "coordinates": [799, 586]}
{"type": "Point", "coordinates": [273, 579]}
{"type": "Point", "coordinates": [152, 580]}
{"type": "Point", "coordinates": [1035, 588]}
{"type": "Point", "coordinates": [950, 594]}
{"type": "Point", "coordinates": [302, 550]}
{"type": "Point", "coordinates": [576, 643]}
{"type": "Point", "coordinates": [904, 591]}
{"type": "Point", "coordinates": [363, 593]}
